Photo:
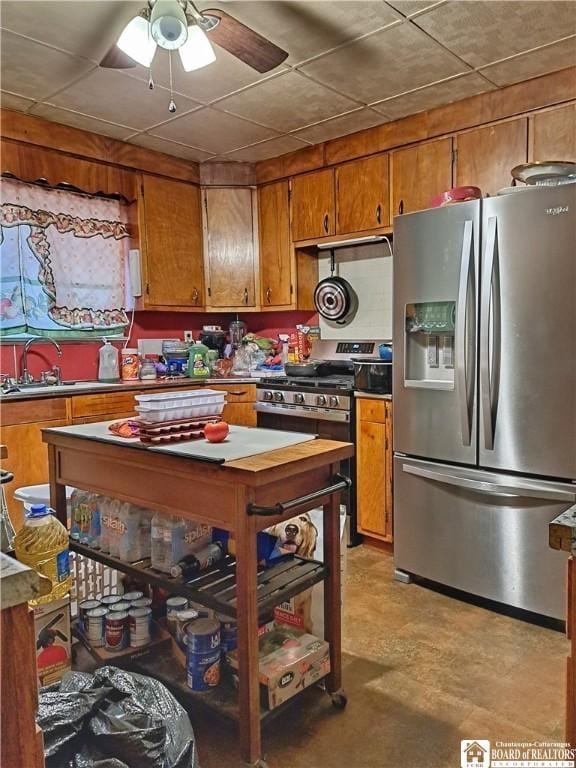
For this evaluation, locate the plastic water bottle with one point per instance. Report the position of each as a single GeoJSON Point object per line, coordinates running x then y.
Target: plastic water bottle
{"type": "Point", "coordinates": [157, 547]}
{"type": "Point", "coordinates": [42, 544]}
{"type": "Point", "coordinates": [128, 549]}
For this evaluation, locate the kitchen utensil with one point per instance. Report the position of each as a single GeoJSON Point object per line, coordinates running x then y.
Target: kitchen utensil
{"type": "Point", "coordinates": [309, 368]}
{"type": "Point", "coordinates": [371, 374]}
{"type": "Point", "coordinates": [214, 338]}
{"type": "Point", "coordinates": [456, 195]}
{"type": "Point", "coordinates": [237, 330]}
{"type": "Point", "coordinates": [545, 173]}
{"type": "Point", "coordinates": [334, 297]}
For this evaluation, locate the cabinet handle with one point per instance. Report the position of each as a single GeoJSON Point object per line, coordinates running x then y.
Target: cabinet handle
{"type": "Point", "coordinates": [245, 295]}
{"type": "Point", "coordinates": [379, 213]}
{"type": "Point", "coordinates": [268, 294]}
{"type": "Point", "coordinates": [401, 207]}
{"type": "Point", "coordinates": [195, 296]}
{"type": "Point", "coordinates": [326, 223]}
{"type": "Point", "coordinates": [237, 392]}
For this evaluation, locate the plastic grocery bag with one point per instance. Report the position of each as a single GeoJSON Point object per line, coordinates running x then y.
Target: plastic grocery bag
{"type": "Point", "coordinates": [114, 719]}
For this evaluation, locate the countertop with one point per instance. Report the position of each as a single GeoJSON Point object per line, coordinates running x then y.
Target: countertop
{"type": "Point", "coordinates": [562, 531]}
{"type": "Point", "coordinates": [372, 396]}
{"type": "Point", "coordinates": [18, 583]}
{"type": "Point", "coordinates": [94, 387]}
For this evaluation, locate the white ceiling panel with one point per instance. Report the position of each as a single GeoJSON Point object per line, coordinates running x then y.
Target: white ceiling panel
{"type": "Point", "coordinates": [213, 131]}
{"type": "Point", "coordinates": [35, 71]}
{"type": "Point", "coordinates": [385, 64]}
{"type": "Point", "coordinates": [481, 32]}
{"type": "Point", "coordinates": [115, 96]}
{"type": "Point", "coordinates": [309, 28]}
{"type": "Point", "coordinates": [532, 64]}
{"type": "Point", "coordinates": [13, 101]}
{"type": "Point", "coordinates": [410, 7]}
{"type": "Point", "coordinates": [84, 122]}
{"type": "Point", "coordinates": [266, 149]}
{"type": "Point", "coordinates": [171, 148]}
{"type": "Point", "coordinates": [287, 102]}
{"type": "Point", "coordinates": [340, 126]}
{"type": "Point", "coordinates": [433, 96]}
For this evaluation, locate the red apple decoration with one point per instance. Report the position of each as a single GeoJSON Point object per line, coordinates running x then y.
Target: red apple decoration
{"type": "Point", "coordinates": [216, 432]}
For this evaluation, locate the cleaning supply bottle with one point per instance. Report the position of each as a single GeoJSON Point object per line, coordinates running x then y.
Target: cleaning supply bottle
{"type": "Point", "coordinates": [42, 544]}
{"type": "Point", "coordinates": [108, 369]}
{"type": "Point", "coordinates": [198, 362]}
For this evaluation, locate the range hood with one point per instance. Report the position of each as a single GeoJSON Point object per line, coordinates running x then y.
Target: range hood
{"type": "Point", "coordinates": [352, 242]}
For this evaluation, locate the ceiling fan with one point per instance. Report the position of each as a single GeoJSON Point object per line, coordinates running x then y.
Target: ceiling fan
{"type": "Point", "coordinates": [179, 25]}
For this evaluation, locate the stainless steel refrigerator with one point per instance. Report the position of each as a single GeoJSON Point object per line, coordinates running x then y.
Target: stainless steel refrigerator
{"type": "Point", "coordinates": [485, 393]}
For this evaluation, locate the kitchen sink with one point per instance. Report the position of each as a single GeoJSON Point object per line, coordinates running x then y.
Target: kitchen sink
{"type": "Point", "coordinates": [37, 387]}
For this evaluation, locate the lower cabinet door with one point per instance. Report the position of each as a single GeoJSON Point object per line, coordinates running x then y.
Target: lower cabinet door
{"type": "Point", "coordinates": [374, 509]}
{"type": "Point", "coordinates": [242, 414]}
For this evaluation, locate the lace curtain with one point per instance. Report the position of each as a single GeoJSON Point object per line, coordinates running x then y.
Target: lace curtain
{"type": "Point", "coordinates": [63, 262]}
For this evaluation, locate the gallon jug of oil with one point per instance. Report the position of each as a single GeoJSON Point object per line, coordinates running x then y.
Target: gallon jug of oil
{"type": "Point", "coordinates": [42, 544]}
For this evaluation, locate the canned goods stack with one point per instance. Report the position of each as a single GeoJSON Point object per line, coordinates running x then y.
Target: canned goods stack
{"type": "Point", "coordinates": [117, 621]}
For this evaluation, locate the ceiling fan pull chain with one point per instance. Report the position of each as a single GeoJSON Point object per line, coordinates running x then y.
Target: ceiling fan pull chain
{"type": "Point", "coordinates": [172, 105]}
{"type": "Point", "coordinates": [150, 78]}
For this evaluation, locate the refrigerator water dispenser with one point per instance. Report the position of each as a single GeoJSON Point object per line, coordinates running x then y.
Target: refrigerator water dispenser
{"type": "Point", "coordinates": [429, 345]}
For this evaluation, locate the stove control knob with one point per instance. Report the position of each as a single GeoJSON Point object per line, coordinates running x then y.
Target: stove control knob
{"type": "Point", "coordinates": [321, 399]}
{"type": "Point", "coordinates": [268, 395]}
{"type": "Point", "coordinates": [333, 401]}
{"type": "Point", "coordinates": [278, 396]}
{"type": "Point", "coordinates": [299, 398]}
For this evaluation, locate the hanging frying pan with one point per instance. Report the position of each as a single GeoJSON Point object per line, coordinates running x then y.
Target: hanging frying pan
{"type": "Point", "coordinates": [334, 298]}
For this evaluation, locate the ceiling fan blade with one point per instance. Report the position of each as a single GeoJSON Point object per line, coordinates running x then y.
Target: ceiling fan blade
{"type": "Point", "coordinates": [117, 59]}
{"type": "Point", "coordinates": [242, 42]}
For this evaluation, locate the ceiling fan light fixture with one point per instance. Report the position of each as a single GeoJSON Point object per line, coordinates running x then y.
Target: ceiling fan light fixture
{"type": "Point", "coordinates": [197, 52]}
{"type": "Point", "coordinates": [168, 24]}
{"type": "Point", "coordinates": [135, 41]}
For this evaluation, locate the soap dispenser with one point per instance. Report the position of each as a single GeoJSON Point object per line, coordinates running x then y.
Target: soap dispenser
{"type": "Point", "coordinates": [108, 369]}
{"type": "Point", "coordinates": [198, 364]}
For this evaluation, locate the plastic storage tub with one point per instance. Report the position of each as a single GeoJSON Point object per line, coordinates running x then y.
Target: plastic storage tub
{"type": "Point", "coordinates": [170, 399]}
{"type": "Point", "coordinates": [39, 494]}
{"type": "Point", "coordinates": [181, 405]}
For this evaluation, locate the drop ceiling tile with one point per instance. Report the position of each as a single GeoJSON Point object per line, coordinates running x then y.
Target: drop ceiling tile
{"type": "Point", "coordinates": [409, 7]}
{"type": "Point", "coordinates": [14, 101]}
{"type": "Point", "coordinates": [340, 126]}
{"type": "Point", "coordinates": [170, 148]}
{"type": "Point", "coordinates": [83, 27]}
{"type": "Point", "coordinates": [309, 28]}
{"type": "Point", "coordinates": [35, 71]}
{"type": "Point", "coordinates": [433, 96]}
{"type": "Point", "coordinates": [114, 96]}
{"type": "Point", "coordinates": [213, 131]}
{"type": "Point", "coordinates": [287, 102]}
{"type": "Point", "coordinates": [266, 149]}
{"type": "Point", "coordinates": [385, 64]}
{"type": "Point", "coordinates": [534, 63]}
{"type": "Point", "coordinates": [84, 122]}
{"type": "Point", "coordinates": [482, 32]}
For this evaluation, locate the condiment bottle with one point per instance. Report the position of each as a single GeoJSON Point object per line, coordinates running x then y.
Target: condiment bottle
{"type": "Point", "coordinates": [129, 365]}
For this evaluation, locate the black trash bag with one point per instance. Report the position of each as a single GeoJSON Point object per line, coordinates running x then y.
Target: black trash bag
{"type": "Point", "coordinates": [114, 719]}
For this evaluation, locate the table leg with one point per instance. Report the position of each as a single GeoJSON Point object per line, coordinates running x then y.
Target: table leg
{"type": "Point", "coordinates": [248, 685]}
{"type": "Point", "coordinates": [332, 587]}
{"type": "Point", "coordinates": [57, 491]}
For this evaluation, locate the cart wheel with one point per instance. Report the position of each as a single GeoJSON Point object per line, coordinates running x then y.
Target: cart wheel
{"type": "Point", "coordinates": [258, 764]}
{"type": "Point", "coordinates": [339, 699]}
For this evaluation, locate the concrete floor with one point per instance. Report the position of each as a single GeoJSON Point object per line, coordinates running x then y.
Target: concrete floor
{"type": "Point", "coordinates": [422, 671]}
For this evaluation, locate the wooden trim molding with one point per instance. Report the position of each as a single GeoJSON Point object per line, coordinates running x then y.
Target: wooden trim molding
{"type": "Point", "coordinates": [515, 100]}
{"type": "Point", "coordinates": [85, 145]}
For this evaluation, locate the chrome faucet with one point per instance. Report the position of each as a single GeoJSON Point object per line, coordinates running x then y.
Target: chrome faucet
{"type": "Point", "coordinates": [26, 377]}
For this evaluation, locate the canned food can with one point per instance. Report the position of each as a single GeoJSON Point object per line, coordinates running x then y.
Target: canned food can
{"type": "Point", "coordinates": [121, 607]}
{"type": "Point", "coordinates": [95, 626]}
{"type": "Point", "coordinates": [140, 626]}
{"type": "Point", "coordinates": [228, 633]}
{"type": "Point", "coordinates": [173, 606]}
{"type": "Point", "coordinates": [203, 654]}
{"type": "Point", "coordinates": [129, 597]}
{"type": "Point", "coordinates": [183, 619]}
{"type": "Point", "coordinates": [116, 630]}
{"type": "Point", "coordinates": [109, 600]}
{"type": "Point", "coordinates": [83, 608]}
{"type": "Point", "coordinates": [141, 602]}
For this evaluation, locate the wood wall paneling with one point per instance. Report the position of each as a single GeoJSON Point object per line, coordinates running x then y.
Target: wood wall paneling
{"type": "Point", "coordinates": [418, 173]}
{"type": "Point", "coordinates": [553, 134]}
{"type": "Point", "coordinates": [313, 205]}
{"type": "Point", "coordinates": [485, 157]}
{"type": "Point", "coordinates": [362, 195]}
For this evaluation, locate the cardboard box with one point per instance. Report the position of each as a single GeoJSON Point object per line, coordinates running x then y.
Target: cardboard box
{"type": "Point", "coordinates": [290, 660]}
{"type": "Point", "coordinates": [52, 630]}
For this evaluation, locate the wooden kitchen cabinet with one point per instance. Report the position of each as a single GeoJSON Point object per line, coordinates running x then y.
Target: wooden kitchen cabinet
{"type": "Point", "coordinates": [362, 195]}
{"type": "Point", "coordinates": [276, 252]}
{"type": "Point", "coordinates": [485, 157]}
{"type": "Point", "coordinates": [240, 402]}
{"type": "Point", "coordinates": [170, 225]}
{"type": "Point", "coordinates": [418, 174]}
{"type": "Point", "coordinates": [553, 134]}
{"type": "Point", "coordinates": [374, 468]}
{"type": "Point", "coordinates": [230, 247]}
{"type": "Point", "coordinates": [313, 205]}
{"type": "Point", "coordinates": [571, 661]}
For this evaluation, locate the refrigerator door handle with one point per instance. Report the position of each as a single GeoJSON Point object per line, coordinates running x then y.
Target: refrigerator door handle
{"type": "Point", "coordinates": [489, 336]}
{"type": "Point", "coordinates": [463, 378]}
{"type": "Point", "coordinates": [513, 490]}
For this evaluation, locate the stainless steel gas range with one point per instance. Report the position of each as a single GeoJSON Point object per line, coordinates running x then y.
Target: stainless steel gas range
{"type": "Point", "coordinates": [322, 405]}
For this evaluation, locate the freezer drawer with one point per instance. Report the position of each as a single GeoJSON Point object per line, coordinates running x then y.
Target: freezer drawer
{"type": "Point", "coordinates": [482, 532]}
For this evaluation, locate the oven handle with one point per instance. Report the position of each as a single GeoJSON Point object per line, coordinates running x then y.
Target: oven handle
{"type": "Point", "coordinates": [289, 410]}
{"type": "Point", "coordinates": [339, 483]}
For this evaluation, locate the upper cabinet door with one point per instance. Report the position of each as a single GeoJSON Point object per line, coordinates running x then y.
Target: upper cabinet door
{"type": "Point", "coordinates": [276, 268]}
{"type": "Point", "coordinates": [171, 229]}
{"type": "Point", "coordinates": [554, 134]}
{"type": "Point", "coordinates": [362, 195]}
{"type": "Point", "coordinates": [419, 173]}
{"type": "Point", "coordinates": [486, 156]}
{"type": "Point", "coordinates": [313, 205]}
{"type": "Point", "coordinates": [230, 248]}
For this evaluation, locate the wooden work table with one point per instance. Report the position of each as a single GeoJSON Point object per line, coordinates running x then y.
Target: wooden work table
{"type": "Point", "coordinates": [242, 496]}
